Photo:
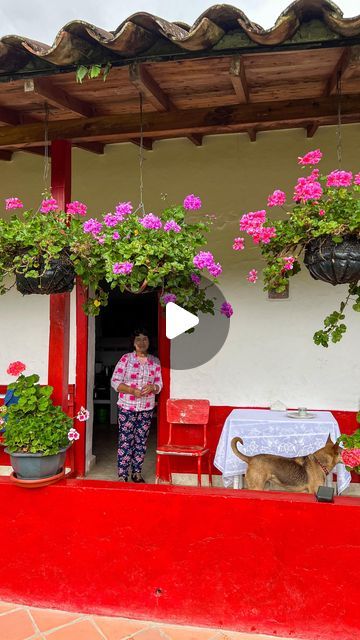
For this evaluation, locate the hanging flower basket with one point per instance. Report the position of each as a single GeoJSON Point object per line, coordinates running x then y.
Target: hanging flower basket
{"type": "Point", "coordinates": [333, 262]}
{"type": "Point", "coordinates": [58, 277]}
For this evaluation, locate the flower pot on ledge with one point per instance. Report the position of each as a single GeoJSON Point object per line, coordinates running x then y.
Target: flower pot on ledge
{"type": "Point", "coordinates": [35, 466]}
{"type": "Point", "coordinates": [335, 263]}
{"type": "Point", "coordinates": [58, 278]}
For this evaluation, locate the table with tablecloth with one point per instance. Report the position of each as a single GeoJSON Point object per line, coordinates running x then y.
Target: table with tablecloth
{"type": "Point", "coordinates": [268, 431]}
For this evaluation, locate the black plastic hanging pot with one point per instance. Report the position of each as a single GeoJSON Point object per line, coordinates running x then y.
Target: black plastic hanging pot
{"type": "Point", "coordinates": [336, 263]}
{"type": "Point", "coordinates": [58, 277]}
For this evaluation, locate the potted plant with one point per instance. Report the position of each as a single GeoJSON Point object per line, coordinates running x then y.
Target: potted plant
{"type": "Point", "coordinates": [322, 226]}
{"type": "Point", "coordinates": [37, 433]}
{"type": "Point", "coordinates": [128, 249]}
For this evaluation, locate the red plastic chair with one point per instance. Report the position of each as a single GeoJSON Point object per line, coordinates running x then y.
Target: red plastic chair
{"type": "Point", "coordinates": [194, 412]}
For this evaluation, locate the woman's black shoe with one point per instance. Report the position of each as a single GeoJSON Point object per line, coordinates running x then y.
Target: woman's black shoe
{"type": "Point", "coordinates": [137, 477]}
{"type": "Point", "coordinates": [122, 479]}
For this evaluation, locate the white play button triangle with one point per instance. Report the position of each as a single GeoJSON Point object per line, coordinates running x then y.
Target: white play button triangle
{"type": "Point", "coordinates": [178, 320]}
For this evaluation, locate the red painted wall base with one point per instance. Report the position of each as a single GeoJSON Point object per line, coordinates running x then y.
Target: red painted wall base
{"type": "Point", "coordinates": [265, 562]}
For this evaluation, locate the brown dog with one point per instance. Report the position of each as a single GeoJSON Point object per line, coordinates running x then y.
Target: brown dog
{"type": "Point", "coordinates": [297, 474]}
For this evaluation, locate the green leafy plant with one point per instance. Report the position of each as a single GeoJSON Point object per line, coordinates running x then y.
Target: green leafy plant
{"type": "Point", "coordinates": [323, 207]}
{"type": "Point", "coordinates": [127, 249]}
{"type": "Point", "coordinates": [34, 424]}
{"type": "Point", "coordinates": [93, 71]}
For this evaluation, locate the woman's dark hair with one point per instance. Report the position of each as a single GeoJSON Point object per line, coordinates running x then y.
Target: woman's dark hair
{"type": "Point", "coordinates": [136, 333]}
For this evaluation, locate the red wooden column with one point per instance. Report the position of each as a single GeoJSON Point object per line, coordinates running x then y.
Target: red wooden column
{"type": "Point", "coordinates": [59, 339]}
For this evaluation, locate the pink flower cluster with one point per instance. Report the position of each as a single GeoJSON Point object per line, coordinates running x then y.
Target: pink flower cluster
{"type": "Point", "coordinates": [111, 219]}
{"type": "Point", "coordinates": [13, 203]}
{"type": "Point", "coordinates": [308, 188]}
{"type": "Point", "coordinates": [196, 279]}
{"type": "Point", "coordinates": [238, 244]}
{"type": "Point", "coordinates": [48, 205]}
{"type": "Point", "coordinates": [83, 415]}
{"type": "Point", "coordinates": [205, 260]}
{"type": "Point", "coordinates": [351, 457]}
{"type": "Point", "coordinates": [226, 309]}
{"type": "Point", "coordinates": [123, 268]}
{"type": "Point", "coordinates": [253, 224]}
{"type": "Point", "coordinates": [150, 222]}
{"type": "Point", "coordinates": [116, 235]}
{"type": "Point", "coordinates": [168, 297]}
{"type": "Point", "coordinates": [276, 199]}
{"type": "Point", "coordinates": [76, 208]}
{"type": "Point", "coordinates": [252, 276]}
{"type": "Point", "coordinates": [171, 225]}
{"type": "Point", "coordinates": [73, 435]}
{"type": "Point", "coordinates": [92, 226]}
{"type": "Point", "coordinates": [123, 208]}
{"type": "Point", "coordinates": [192, 202]}
{"type": "Point", "coordinates": [289, 263]}
{"type": "Point", "coordinates": [357, 178]}
{"type": "Point", "coordinates": [339, 179]}
{"type": "Point", "coordinates": [312, 157]}
{"type": "Point", "coordinates": [16, 368]}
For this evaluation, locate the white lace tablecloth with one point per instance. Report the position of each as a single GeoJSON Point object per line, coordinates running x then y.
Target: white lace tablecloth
{"type": "Point", "coordinates": [266, 431]}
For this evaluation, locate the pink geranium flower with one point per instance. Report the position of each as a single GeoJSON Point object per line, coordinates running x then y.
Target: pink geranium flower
{"type": "Point", "coordinates": [15, 368]}
{"type": "Point", "coordinates": [116, 235]}
{"type": "Point", "coordinates": [123, 268]}
{"type": "Point", "coordinates": [76, 208]}
{"type": "Point", "coordinates": [203, 259]}
{"type": "Point", "coordinates": [226, 309]}
{"type": "Point", "coordinates": [357, 178]}
{"type": "Point", "coordinates": [192, 202]}
{"type": "Point", "coordinates": [195, 278]}
{"type": "Point", "coordinates": [276, 199]}
{"type": "Point", "coordinates": [48, 205]}
{"type": "Point", "coordinates": [351, 457]}
{"type": "Point", "coordinates": [92, 226]}
{"type": "Point", "coordinates": [312, 157]}
{"type": "Point", "coordinates": [150, 222]}
{"type": "Point", "coordinates": [321, 212]}
{"type": "Point", "coordinates": [13, 203]}
{"type": "Point", "coordinates": [171, 225]}
{"type": "Point", "coordinates": [238, 244]}
{"type": "Point", "coordinates": [73, 435]}
{"type": "Point", "coordinates": [339, 179]}
{"type": "Point", "coordinates": [289, 263]}
{"type": "Point", "coordinates": [252, 276]}
{"type": "Point", "coordinates": [83, 415]}
{"type": "Point", "coordinates": [307, 189]}
{"type": "Point", "coordinates": [168, 297]}
{"type": "Point", "coordinates": [215, 269]}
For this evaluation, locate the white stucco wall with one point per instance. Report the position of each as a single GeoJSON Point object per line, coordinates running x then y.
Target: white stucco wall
{"type": "Point", "coordinates": [269, 354]}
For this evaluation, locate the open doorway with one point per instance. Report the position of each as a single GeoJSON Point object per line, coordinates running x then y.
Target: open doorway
{"type": "Point", "coordinates": [113, 328]}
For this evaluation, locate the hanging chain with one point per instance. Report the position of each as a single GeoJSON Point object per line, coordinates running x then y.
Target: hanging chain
{"type": "Point", "coordinates": [46, 154]}
{"type": "Point", "coordinates": [141, 206]}
{"type": "Point", "coordinates": [338, 128]}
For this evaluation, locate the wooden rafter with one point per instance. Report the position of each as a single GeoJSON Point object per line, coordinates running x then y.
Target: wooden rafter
{"type": "Point", "coordinates": [196, 139]}
{"type": "Point", "coordinates": [311, 129]}
{"type": "Point", "coordinates": [149, 89]}
{"type": "Point", "coordinates": [252, 134]}
{"type": "Point", "coordinates": [229, 119]}
{"type": "Point", "coordinates": [9, 116]}
{"type": "Point", "coordinates": [92, 147]}
{"type": "Point", "coordinates": [6, 155]}
{"type": "Point", "coordinates": [147, 143]}
{"type": "Point", "coordinates": [45, 89]}
{"type": "Point", "coordinates": [238, 79]}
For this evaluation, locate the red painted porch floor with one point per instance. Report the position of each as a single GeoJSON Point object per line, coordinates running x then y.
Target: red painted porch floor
{"type": "Point", "coordinates": [18, 622]}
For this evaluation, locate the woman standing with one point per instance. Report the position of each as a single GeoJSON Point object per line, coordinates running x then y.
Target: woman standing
{"type": "Point", "coordinates": [137, 379]}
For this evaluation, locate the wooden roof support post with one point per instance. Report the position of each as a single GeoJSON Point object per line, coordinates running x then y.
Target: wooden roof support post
{"type": "Point", "coordinates": [151, 91]}
{"type": "Point", "coordinates": [59, 336]}
{"type": "Point", "coordinates": [238, 79]}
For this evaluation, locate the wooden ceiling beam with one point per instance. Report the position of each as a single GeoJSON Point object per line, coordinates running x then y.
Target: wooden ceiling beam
{"type": "Point", "coordinates": [228, 119]}
{"type": "Point", "coordinates": [238, 79]}
{"type": "Point", "coordinates": [44, 89]}
{"type": "Point", "coordinates": [9, 116]}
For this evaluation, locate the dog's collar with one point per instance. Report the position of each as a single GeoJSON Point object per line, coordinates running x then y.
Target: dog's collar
{"type": "Point", "coordinates": [325, 469]}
